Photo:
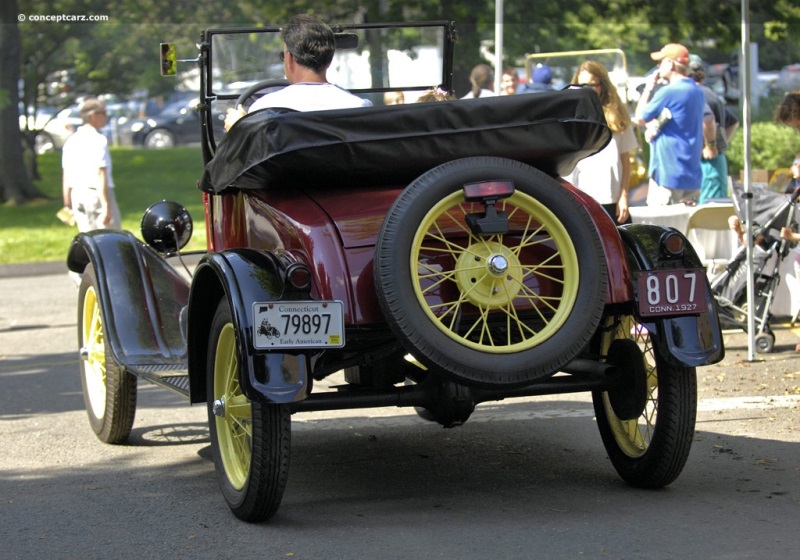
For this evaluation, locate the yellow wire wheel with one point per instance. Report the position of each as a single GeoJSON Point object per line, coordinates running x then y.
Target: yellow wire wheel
{"type": "Point", "coordinates": [94, 371]}
{"type": "Point", "coordinates": [493, 276]}
{"type": "Point", "coordinates": [250, 440]}
{"type": "Point", "coordinates": [650, 448]}
{"type": "Point", "coordinates": [234, 429]}
{"type": "Point", "coordinates": [634, 435]}
{"type": "Point", "coordinates": [496, 290]}
{"type": "Point", "coordinates": [109, 392]}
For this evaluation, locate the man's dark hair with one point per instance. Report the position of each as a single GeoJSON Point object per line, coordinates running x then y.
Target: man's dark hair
{"type": "Point", "coordinates": [310, 41]}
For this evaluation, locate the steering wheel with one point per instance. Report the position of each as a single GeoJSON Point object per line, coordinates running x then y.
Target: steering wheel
{"type": "Point", "coordinates": [263, 84]}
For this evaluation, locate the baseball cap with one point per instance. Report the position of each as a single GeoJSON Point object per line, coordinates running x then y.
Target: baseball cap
{"type": "Point", "coordinates": [673, 51]}
{"type": "Point", "coordinates": [542, 74]}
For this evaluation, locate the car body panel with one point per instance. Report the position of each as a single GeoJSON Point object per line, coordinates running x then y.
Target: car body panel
{"type": "Point", "coordinates": [141, 296]}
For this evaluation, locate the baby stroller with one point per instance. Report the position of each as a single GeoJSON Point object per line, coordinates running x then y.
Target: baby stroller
{"type": "Point", "coordinates": [771, 212]}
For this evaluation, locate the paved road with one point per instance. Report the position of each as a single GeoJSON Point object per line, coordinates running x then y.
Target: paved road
{"type": "Point", "coordinates": [519, 480]}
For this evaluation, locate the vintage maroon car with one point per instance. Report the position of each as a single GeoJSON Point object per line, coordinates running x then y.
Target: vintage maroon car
{"type": "Point", "coordinates": [426, 253]}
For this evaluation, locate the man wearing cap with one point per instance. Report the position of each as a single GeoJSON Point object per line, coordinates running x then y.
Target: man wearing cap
{"type": "Point", "coordinates": [88, 184]}
{"type": "Point", "coordinates": [678, 107]}
{"type": "Point", "coordinates": [540, 81]}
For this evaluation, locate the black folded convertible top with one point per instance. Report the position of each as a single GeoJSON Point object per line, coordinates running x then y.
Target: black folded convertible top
{"type": "Point", "coordinates": [395, 144]}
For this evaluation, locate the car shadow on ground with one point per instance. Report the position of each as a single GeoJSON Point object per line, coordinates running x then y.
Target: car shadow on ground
{"type": "Point", "coordinates": [545, 477]}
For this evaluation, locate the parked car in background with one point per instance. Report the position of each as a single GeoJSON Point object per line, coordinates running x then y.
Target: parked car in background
{"type": "Point", "coordinates": [177, 123]}
{"type": "Point", "coordinates": [55, 126]}
{"type": "Point", "coordinates": [723, 78]}
{"type": "Point", "coordinates": [55, 130]}
{"type": "Point", "coordinates": [36, 120]}
{"type": "Point", "coordinates": [788, 78]}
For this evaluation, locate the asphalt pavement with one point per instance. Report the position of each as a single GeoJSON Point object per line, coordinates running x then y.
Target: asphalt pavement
{"type": "Point", "coordinates": [522, 479]}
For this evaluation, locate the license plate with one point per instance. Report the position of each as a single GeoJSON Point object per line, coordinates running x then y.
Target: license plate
{"type": "Point", "coordinates": [672, 292]}
{"type": "Point", "coordinates": [298, 324]}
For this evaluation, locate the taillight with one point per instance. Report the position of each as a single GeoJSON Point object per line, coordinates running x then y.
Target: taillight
{"type": "Point", "coordinates": [491, 221]}
{"type": "Point", "coordinates": [488, 190]}
{"type": "Point", "coordinates": [673, 244]}
{"type": "Point", "coordinates": [298, 276]}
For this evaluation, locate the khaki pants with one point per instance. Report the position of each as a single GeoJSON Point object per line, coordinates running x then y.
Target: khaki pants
{"type": "Point", "coordinates": [86, 207]}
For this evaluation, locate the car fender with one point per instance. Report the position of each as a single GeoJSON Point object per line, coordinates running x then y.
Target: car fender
{"type": "Point", "coordinates": [690, 340]}
{"type": "Point", "coordinates": [243, 276]}
{"type": "Point", "coordinates": [141, 297]}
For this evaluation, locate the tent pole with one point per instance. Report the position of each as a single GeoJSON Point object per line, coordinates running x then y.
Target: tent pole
{"type": "Point", "coordinates": [744, 87]}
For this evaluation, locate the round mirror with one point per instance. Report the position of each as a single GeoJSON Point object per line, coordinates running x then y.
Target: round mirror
{"type": "Point", "coordinates": [166, 226]}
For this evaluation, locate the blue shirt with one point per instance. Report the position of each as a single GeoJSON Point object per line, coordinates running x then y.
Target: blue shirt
{"type": "Point", "coordinates": [675, 154]}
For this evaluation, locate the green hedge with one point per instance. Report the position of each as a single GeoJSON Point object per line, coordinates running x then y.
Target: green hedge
{"type": "Point", "coordinates": [772, 146]}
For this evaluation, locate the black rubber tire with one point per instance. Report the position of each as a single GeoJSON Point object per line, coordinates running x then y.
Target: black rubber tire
{"type": "Point", "coordinates": [257, 493]}
{"type": "Point", "coordinates": [651, 450]}
{"type": "Point", "coordinates": [487, 363]}
{"type": "Point", "coordinates": [109, 392]}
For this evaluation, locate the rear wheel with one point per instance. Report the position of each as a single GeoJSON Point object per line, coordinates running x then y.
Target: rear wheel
{"type": "Point", "coordinates": [108, 391]}
{"type": "Point", "coordinates": [647, 424]}
{"type": "Point", "coordinates": [250, 440]}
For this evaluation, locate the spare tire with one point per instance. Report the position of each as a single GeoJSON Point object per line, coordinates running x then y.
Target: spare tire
{"type": "Point", "coordinates": [490, 309]}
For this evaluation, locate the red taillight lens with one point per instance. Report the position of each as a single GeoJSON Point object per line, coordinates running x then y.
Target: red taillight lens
{"type": "Point", "coordinates": [298, 276]}
{"type": "Point", "coordinates": [673, 244]}
{"type": "Point", "coordinates": [488, 190]}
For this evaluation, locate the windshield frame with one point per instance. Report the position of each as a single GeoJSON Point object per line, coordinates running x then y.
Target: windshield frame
{"type": "Point", "coordinates": [209, 97]}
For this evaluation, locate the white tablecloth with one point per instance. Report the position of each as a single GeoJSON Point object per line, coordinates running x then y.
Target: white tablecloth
{"type": "Point", "coordinates": [719, 245]}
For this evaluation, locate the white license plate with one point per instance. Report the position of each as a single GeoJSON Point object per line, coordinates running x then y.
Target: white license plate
{"type": "Point", "coordinates": [672, 292]}
{"type": "Point", "coordinates": [298, 324]}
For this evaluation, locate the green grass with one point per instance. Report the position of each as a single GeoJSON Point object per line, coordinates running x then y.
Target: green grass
{"type": "Point", "coordinates": [32, 233]}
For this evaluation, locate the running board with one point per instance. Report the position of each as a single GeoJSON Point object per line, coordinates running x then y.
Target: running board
{"type": "Point", "coordinates": [173, 376]}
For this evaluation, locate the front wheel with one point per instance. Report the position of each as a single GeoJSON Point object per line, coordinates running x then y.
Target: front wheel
{"type": "Point", "coordinates": [250, 440]}
{"type": "Point", "coordinates": [109, 392]}
{"type": "Point", "coordinates": [647, 424]}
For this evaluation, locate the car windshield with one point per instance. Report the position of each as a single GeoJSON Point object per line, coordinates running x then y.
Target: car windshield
{"type": "Point", "coordinates": [367, 59]}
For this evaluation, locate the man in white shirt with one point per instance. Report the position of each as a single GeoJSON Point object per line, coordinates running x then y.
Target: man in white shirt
{"type": "Point", "coordinates": [88, 184]}
{"type": "Point", "coordinates": [308, 50]}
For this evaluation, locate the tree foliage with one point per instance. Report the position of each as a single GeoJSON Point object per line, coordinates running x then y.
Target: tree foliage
{"type": "Point", "coordinates": [120, 55]}
{"type": "Point", "coordinates": [772, 146]}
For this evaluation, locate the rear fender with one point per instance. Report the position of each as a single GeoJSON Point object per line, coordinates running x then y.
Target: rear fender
{"type": "Point", "coordinates": [141, 297]}
{"type": "Point", "coordinates": [691, 340]}
{"type": "Point", "coordinates": [243, 276]}
{"type": "Point", "coordinates": [619, 273]}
